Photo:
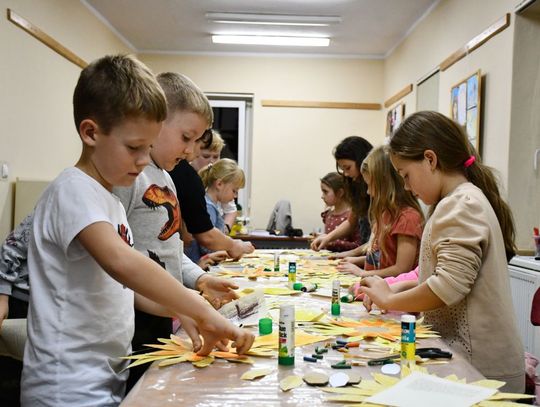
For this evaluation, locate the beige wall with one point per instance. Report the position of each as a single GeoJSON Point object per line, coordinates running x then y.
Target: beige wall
{"type": "Point", "coordinates": [38, 138]}
{"type": "Point", "coordinates": [434, 39]}
{"type": "Point", "coordinates": [524, 191]}
{"type": "Point", "coordinates": [291, 148]}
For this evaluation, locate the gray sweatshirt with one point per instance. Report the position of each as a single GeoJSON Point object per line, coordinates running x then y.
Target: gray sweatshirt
{"type": "Point", "coordinates": [154, 216]}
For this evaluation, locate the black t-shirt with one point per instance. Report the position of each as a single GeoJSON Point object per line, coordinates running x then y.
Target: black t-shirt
{"type": "Point", "coordinates": [190, 191]}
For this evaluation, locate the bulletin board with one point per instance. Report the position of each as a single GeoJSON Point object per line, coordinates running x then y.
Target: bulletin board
{"type": "Point", "coordinates": [465, 106]}
{"type": "Point", "coordinates": [394, 117]}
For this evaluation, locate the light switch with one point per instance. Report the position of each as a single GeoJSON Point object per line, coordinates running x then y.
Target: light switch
{"type": "Point", "coordinates": [4, 172]}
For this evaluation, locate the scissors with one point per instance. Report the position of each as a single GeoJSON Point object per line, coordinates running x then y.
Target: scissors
{"type": "Point", "coordinates": [431, 353]}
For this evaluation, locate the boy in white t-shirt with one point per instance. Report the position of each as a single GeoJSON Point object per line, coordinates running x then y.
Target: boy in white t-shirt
{"type": "Point", "coordinates": [81, 262]}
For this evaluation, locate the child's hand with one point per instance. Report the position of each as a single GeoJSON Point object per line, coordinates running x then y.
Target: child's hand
{"type": "Point", "coordinates": [239, 248]}
{"type": "Point", "coordinates": [217, 291]}
{"type": "Point", "coordinates": [211, 259]}
{"type": "Point", "coordinates": [216, 330]}
{"type": "Point", "coordinates": [350, 268]}
{"type": "Point", "coordinates": [190, 327]}
{"type": "Point", "coordinates": [319, 242]}
{"type": "Point", "coordinates": [248, 247]}
{"type": "Point", "coordinates": [335, 256]}
{"type": "Point", "coordinates": [377, 289]}
{"type": "Point", "coordinates": [4, 308]}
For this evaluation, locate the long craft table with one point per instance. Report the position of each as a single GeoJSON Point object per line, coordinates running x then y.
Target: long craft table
{"type": "Point", "coordinates": [261, 239]}
{"type": "Point", "coordinates": [220, 385]}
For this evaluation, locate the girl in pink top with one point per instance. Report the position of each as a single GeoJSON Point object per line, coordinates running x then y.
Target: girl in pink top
{"type": "Point", "coordinates": [338, 210]}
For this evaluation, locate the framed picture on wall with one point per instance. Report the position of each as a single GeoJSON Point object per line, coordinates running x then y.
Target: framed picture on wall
{"type": "Point", "coordinates": [465, 106]}
{"type": "Point", "coordinates": [394, 117]}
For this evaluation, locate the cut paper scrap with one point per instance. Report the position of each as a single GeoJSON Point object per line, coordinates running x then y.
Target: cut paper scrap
{"type": "Point", "coordinates": [280, 291]}
{"type": "Point", "coordinates": [378, 328]}
{"type": "Point", "coordinates": [301, 338]}
{"type": "Point", "coordinates": [361, 392]}
{"type": "Point", "coordinates": [290, 382]}
{"type": "Point", "coordinates": [256, 373]}
{"type": "Point", "coordinates": [204, 362]}
{"type": "Point", "coordinates": [176, 350]}
{"type": "Point", "coordinates": [247, 272]}
{"type": "Point", "coordinates": [301, 314]}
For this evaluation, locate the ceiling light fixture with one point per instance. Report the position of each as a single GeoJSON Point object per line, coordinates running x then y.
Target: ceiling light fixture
{"type": "Point", "coordinates": [271, 40]}
{"type": "Point", "coordinates": [272, 19]}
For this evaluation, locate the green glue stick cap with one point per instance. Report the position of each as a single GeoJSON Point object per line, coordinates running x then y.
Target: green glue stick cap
{"type": "Point", "coordinates": [265, 326]}
{"type": "Point", "coordinates": [297, 286]}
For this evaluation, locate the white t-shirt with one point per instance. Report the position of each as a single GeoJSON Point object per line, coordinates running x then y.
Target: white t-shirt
{"type": "Point", "coordinates": [80, 320]}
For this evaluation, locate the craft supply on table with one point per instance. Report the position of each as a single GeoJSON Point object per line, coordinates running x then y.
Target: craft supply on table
{"type": "Point", "coordinates": [316, 379]}
{"type": "Point", "coordinates": [286, 335]}
{"type": "Point", "coordinates": [347, 298]}
{"type": "Point", "coordinates": [408, 341]}
{"type": "Point", "coordinates": [292, 273]}
{"type": "Point", "coordinates": [309, 287]}
{"type": "Point", "coordinates": [276, 261]}
{"type": "Point", "coordinates": [265, 326]}
{"type": "Point", "coordinates": [343, 364]}
{"type": "Point", "coordinates": [310, 359]}
{"type": "Point", "coordinates": [298, 287]}
{"type": "Point", "coordinates": [339, 380]}
{"type": "Point", "coordinates": [335, 307]}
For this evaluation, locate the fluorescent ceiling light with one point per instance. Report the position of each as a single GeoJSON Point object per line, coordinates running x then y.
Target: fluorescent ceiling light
{"type": "Point", "coordinates": [272, 19]}
{"type": "Point", "coordinates": [271, 40]}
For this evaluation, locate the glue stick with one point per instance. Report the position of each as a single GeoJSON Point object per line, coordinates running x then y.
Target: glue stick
{"type": "Point", "coordinates": [286, 335]}
{"type": "Point", "coordinates": [292, 273]}
{"type": "Point", "coordinates": [335, 307]}
{"type": "Point", "coordinates": [309, 287]}
{"type": "Point", "coordinates": [276, 261]}
{"type": "Point", "coordinates": [408, 341]}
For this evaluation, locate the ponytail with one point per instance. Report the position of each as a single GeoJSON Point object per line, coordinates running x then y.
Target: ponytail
{"type": "Point", "coordinates": [482, 176]}
{"type": "Point", "coordinates": [226, 170]}
{"type": "Point", "coordinates": [204, 173]}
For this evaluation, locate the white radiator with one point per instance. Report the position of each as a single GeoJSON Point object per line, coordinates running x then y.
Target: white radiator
{"type": "Point", "coordinates": [524, 283]}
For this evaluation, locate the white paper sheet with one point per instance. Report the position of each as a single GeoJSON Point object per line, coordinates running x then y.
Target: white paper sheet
{"type": "Point", "coordinates": [421, 390]}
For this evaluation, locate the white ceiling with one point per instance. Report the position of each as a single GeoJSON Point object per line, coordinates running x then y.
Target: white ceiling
{"type": "Point", "coordinates": [369, 28]}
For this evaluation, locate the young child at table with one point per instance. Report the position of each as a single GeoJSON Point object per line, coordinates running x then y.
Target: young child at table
{"type": "Point", "coordinates": [222, 181]}
{"type": "Point", "coordinates": [463, 285]}
{"type": "Point", "coordinates": [81, 262]}
{"type": "Point", "coordinates": [338, 211]}
{"type": "Point", "coordinates": [349, 154]}
{"type": "Point", "coordinates": [210, 155]}
{"type": "Point", "coordinates": [152, 208]}
{"type": "Point", "coordinates": [396, 222]}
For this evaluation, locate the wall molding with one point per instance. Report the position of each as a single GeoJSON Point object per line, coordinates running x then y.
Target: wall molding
{"type": "Point", "coordinates": [495, 28]}
{"type": "Point", "coordinates": [400, 95]}
{"type": "Point", "coordinates": [324, 105]}
{"type": "Point", "coordinates": [46, 39]}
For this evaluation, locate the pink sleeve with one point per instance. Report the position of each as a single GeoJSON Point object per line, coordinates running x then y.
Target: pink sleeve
{"type": "Point", "coordinates": [411, 275]}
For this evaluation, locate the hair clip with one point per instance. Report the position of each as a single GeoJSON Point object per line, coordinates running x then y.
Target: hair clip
{"type": "Point", "coordinates": [470, 161]}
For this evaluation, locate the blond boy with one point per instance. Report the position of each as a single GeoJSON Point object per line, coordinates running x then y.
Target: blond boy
{"type": "Point", "coordinates": [81, 264]}
{"type": "Point", "coordinates": [153, 210]}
